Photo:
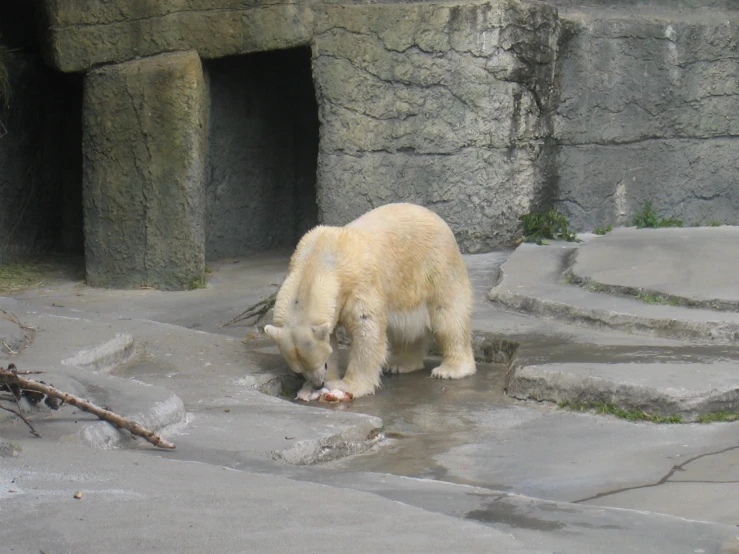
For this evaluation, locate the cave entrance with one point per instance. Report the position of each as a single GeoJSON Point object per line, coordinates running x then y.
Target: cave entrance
{"type": "Point", "coordinates": [40, 148]}
{"type": "Point", "coordinates": [262, 152]}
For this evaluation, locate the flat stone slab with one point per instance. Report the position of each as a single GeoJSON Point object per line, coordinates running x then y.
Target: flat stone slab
{"type": "Point", "coordinates": [153, 504]}
{"type": "Point", "coordinates": [533, 282]}
{"type": "Point", "coordinates": [686, 382]}
{"type": "Point", "coordinates": [699, 265]}
{"type": "Point", "coordinates": [187, 384]}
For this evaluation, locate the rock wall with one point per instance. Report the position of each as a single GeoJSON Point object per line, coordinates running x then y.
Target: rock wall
{"type": "Point", "coordinates": [446, 106]}
{"type": "Point", "coordinates": [262, 151]}
{"type": "Point", "coordinates": [481, 111]}
{"type": "Point", "coordinates": [648, 113]}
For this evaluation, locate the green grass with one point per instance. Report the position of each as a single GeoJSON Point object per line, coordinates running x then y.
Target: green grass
{"type": "Point", "coordinates": [197, 283]}
{"type": "Point", "coordinates": [603, 230]}
{"type": "Point", "coordinates": [723, 415]}
{"type": "Point", "coordinates": [20, 276]}
{"type": "Point", "coordinates": [648, 218]}
{"type": "Point", "coordinates": [28, 274]}
{"type": "Point", "coordinates": [541, 227]}
{"type": "Point", "coordinates": [714, 223]}
{"type": "Point", "coordinates": [630, 415]}
{"type": "Point", "coordinates": [651, 298]}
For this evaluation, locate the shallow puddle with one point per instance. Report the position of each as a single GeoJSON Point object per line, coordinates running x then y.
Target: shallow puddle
{"type": "Point", "coordinates": [425, 417]}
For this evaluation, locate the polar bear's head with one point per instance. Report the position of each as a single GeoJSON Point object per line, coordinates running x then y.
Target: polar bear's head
{"type": "Point", "coordinates": [306, 349]}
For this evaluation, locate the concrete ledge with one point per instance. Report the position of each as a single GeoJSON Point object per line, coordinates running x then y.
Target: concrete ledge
{"type": "Point", "coordinates": [653, 263]}
{"type": "Point", "coordinates": [353, 439]}
{"type": "Point", "coordinates": [688, 391]}
{"type": "Point", "coordinates": [532, 283]}
{"type": "Point", "coordinates": [106, 356]}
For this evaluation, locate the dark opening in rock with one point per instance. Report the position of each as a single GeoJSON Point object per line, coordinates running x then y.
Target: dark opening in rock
{"type": "Point", "coordinates": [262, 152]}
{"type": "Point", "coordinates": [40, 147]}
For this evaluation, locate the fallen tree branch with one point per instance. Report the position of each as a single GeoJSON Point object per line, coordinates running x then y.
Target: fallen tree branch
{"type": "Point", "coordinates": [258, 310]}
{"type": "Point", "coordinates": [10, 377]}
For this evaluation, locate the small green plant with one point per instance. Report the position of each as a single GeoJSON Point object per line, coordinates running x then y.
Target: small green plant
{"type": "Point", "coordinates": [723, 415]}
{"type": "Point", "coordinates": [630, 415]}
{"type": "Point", "coordinates": [540, 227]}
{"type": "Point", "coordinates": [648, 218]}
{"type": "Point", "coordinates": [652, 298]}
{"type": "Point", "coordinates": [197, 283]}
{"type": "Point", "coordinates": [603, 230]}
{"type": "Point", "coordinates": [714, 223]}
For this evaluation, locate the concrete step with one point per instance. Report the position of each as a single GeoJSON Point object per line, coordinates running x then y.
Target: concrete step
{"type": "Point", "coordinates": [695, 267]}
{"type": "Point", "coordinates": [683, 383]}
{"type": "Point", "coordinates": [531, 281]}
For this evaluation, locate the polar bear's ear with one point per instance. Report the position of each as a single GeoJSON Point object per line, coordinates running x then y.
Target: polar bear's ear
{"type": "Point", "coordinates": [273, 332]}
{"type": "Point", "coordinates": [321, 331]}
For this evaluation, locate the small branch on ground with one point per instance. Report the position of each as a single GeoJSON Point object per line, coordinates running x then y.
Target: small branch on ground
{"type": "Point", "coordinates": [24, 418]}
{"type": "Point", "coordinates": [10, 316]}
{"type": "Point", "coordinates": [11, 378]}
{"type": "Point", "coordinates": [10, 350]}
{"type": "Point", "coordinates": [258, 310]}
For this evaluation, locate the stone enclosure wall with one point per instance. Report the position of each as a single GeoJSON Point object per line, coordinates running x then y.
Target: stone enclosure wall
{"type": "Point", "coordinates": [647, 112]}
{"type": "Point", "coordinates": [212, 131]}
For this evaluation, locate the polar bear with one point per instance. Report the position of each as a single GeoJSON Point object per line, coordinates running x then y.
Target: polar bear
{"type": "Point", "coordinates": [394, 275]}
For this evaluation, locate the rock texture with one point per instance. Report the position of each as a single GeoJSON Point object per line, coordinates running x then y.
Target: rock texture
{"type": "Point", "coordinates": [442, 105]}
{"type": "Point", "coordinates": [481, 111]}
{"type": "Point", "coordinates": [91, 32]}
{"type": "Point", "coordinates": [144, 146]}
{"type": "Point", "coordinates": [646, 114]}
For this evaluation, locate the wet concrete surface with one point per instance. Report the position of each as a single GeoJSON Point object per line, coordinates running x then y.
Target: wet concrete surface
{"type": "Point", "coordinates": [458, 448]}
{"type": "Point", "coordinates": [422, 419]}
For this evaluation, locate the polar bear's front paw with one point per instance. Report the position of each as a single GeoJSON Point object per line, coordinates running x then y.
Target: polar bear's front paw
{"type": "Point", "coordinates": [356, 390]}
{"type": "Point", "coordinates": [454, 371]}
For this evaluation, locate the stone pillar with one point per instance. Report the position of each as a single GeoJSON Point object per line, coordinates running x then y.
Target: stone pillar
{"type": "Point", "coordinates": [144, 140]}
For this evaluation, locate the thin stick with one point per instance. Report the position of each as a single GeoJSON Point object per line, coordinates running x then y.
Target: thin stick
{"type": "Point", "coordinates": [8, 376]}
{"type": "Point", "coordinates": [258, 310]}
{"type": "Point", "coordinates": [10, 316]}
{"type": "Point", "coordinates": [10, 350]}
{"type": "Point", "coordinates": [20, 415]}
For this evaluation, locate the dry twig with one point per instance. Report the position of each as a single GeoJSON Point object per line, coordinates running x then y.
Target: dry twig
{"type": "Point", "coordinates": [258, 310]}
{"type": "Point", "coordinates": [10, 378]}
{"type": "Point", "coordinates": [20, 415]}
{"type": "Point", "coordinates": [10, 316]}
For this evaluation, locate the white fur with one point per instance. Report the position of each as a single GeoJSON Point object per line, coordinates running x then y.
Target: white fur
{"type": "Point", "coordinates": [408, 326]}
{"type": "Point", "coordinates": [392, 277]}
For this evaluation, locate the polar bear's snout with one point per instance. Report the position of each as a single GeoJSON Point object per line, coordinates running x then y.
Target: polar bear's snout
{"type": "Point", "coordinates": [317, 377]}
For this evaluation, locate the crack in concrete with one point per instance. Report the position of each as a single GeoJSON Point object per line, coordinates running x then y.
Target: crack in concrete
{"type": "Point", "coordinates": [664, 479]}
{"type": "Point", "coordinates": [655, 138]}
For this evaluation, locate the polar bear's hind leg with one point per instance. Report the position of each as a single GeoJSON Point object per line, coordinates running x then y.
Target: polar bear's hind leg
{"type": "Point", "coordinates": [450, 324]}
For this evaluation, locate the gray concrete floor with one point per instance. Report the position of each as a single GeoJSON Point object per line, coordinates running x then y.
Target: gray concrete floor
{"type": "Point", "coordinates": [461, 467]}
